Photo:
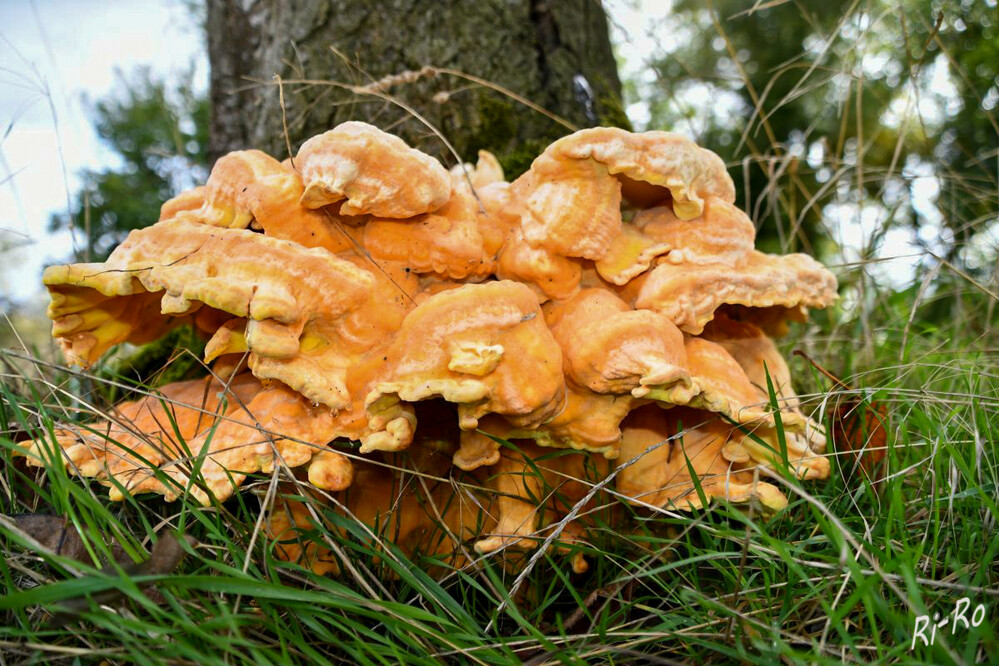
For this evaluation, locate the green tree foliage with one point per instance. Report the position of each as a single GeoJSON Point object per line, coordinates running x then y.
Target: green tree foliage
{"type": "Point", "coordinates": [844, 102]}
{"type": "Point", "coordinates": [158, 132]}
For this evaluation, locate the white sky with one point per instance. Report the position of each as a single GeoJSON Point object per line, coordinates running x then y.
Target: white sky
{"type": "Point", "coordinates": [54, 56]}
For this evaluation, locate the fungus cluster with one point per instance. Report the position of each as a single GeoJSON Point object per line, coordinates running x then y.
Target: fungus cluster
{"type": "Point", "coordinates": [383, 327]}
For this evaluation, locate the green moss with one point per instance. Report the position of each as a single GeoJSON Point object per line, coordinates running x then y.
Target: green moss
{"type": "Point", "coordinates": [610, 112]}
{"type": "Point", "coordinates": [174, 357]}
{"type": "Point", "coordinates": [497, 127]}
{"type": "Point", "coordinates": [517, 135]}
{"type": "Point", "coordinates": [501, 129]}
{"type": "Point", "coordinates": [518, 159]}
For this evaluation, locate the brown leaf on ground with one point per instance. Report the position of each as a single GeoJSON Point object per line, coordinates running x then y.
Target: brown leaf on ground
{"type": "Point", "coordinates": [166, 556]}
{"type": "Point", "coordinates": [54, 533]}
{"type": "Point", "coordinates": [58, 535]}
{"type": "Point", "coordinates": [858, 424]}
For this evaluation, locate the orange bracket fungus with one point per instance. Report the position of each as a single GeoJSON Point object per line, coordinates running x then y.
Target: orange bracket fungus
{"type": "Point", "coordinates": [459, 360]}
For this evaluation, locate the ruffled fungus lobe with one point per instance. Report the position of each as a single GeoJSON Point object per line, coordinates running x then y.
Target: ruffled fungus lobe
{"type": "Point", "coordinates": [610, 348]}
{"type": "Point", "coordinates": [192, 199]}
{"type": "Point", "coordinates": [573, 190]}
{"type": "Point", "coordinates": [447, 242]}
{"type": "Point", "coordinates": [249, 189]}
{"type": "Point", "coordinates": [678, 462]}
{"type": "Point", "coordinates": [501, 353]}
{"type": "Point", "coordinates": [153, 432]}
{"type": "Point", "coordinates": [689, 294]}
{"type": "Point", "coordinates": [476, 346]}
{"type": "Point", "coordinates": [722, 234]}
{"type": "Point", "coordinates": [374, 172]}
{"type": "Point", "coordinates": [485, 172]}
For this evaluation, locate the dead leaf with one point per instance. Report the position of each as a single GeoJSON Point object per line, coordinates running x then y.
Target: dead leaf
{"type": "Point", "coordinates": [54, 533]}
{"type": "Point", "coordinates": [58, 535]}
{"type": "Point", "coordinates": [859, 425]}
{"type": "Point", "coordinates": [166, 555]}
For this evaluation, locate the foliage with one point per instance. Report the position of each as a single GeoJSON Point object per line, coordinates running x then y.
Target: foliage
{"type": "Point", "coordinates": [806, 100]}
{"type": "Point", "coordinates": [159, 134]}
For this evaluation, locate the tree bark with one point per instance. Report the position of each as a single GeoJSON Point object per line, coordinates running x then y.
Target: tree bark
{"type": "Point", "coordinates": [341, 60]}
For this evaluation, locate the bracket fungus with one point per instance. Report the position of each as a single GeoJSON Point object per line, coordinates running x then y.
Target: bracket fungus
{"type": "Point", "coordinates": [600, 323]}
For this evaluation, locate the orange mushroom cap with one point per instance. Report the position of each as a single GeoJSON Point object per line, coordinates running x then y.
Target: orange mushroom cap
{"type": "Point", "coordinates": [689, 294]}
{"type": "Point", "coordinates": [573, 200]}
{"type": "Point", "coordinates": [141, 435]}
{"type": "Point", "coordinates": [610, 348]}
{"type": "Point", "coordinates": [486, 171]}
{"type": "Point", "coordinates": [665, 465]}
{"type": "Point", "coordinates": [363, 292]}
{"type": "Point", "coordinates": [375, 172]}
{"type": "Point", "coordinates": [722, 234]}
{"type": "Point", "coordinates": [187, 200]}
{"type": "Point", "coordinates": [447, 242]}
{"type": "Point", "coordinates": [277, 285]}
{"type": "Point", "coordinates": [483, 346]}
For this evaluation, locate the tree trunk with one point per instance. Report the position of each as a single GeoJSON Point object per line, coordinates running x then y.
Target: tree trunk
{"type": "Point", "coordinates": [355, 54]}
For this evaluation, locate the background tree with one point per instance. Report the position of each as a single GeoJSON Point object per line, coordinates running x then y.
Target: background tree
{"type": "Point", "coordinates": [158, 131]}
{"type": "Point", "coordinates": [838, 102]}
{"type": "Point", "coordinates": [339, 60]}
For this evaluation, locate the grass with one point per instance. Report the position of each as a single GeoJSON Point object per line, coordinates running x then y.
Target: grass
{"type": "Point", "coordinates": [840, 575]}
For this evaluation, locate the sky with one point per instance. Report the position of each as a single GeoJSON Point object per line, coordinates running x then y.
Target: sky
{"type": "Point", "coordinates": [57, 56]}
